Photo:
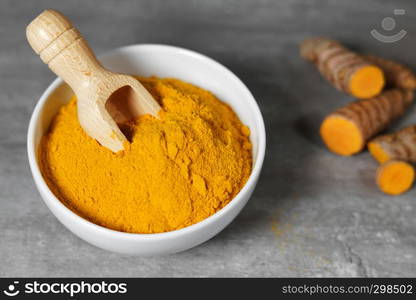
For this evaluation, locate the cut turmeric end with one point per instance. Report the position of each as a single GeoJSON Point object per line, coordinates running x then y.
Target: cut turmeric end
{"type": "Point", "coordinates": [367, 82]}
{"type": "Point", "coordinates": [378, 152]}
{"type": "Point", "coordinates": [341, 135]}
{"type": "Point", "coordinates": [395, 177]}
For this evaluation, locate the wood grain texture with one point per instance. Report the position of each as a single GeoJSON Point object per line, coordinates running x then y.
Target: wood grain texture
{"type": "Point", "coordinates": [312, 214]}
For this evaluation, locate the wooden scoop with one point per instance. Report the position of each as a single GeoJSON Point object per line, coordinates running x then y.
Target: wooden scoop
{"type": "Point", "coordinates": [105, 98]}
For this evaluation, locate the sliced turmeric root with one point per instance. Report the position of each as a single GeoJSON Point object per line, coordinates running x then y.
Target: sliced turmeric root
{"type": "Point", "coordinates": [378, 152]}
{"type": "Point", "coordinates": [395, 177]}
{"type": "Point", "coordinates": [346, 131]}
{"type": "Point", "coordinates": [341, 135]}
{"type": "Point", "coordinates": [346, 70]}
{"type": "Point", "coordinates": [397, 75]}
{"type": "Point", "coordinates": [366, 82]}
{"type": "Point", "coordinates": [400, 145]}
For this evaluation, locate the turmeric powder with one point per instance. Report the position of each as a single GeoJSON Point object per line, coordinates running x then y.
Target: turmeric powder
{"type": "Point", "coordinates": [346, 70]}
{"type": "Point", "coordinates": [175, 172]}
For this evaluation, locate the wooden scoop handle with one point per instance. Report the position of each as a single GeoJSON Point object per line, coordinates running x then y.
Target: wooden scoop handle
{"type": "Point", "coordinates": [63, 49]}
{"type": "Point", "coordinates": [104, 97]}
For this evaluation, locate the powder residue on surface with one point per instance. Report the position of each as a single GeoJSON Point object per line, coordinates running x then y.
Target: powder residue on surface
{"type": "Point", "coordinates": [176, 171]}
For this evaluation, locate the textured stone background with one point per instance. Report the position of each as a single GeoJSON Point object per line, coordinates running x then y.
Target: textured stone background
{"type": "Point", "coordinates": [313, 214]}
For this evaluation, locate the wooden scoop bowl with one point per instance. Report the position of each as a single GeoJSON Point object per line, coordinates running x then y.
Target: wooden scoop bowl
{"type": "Point", "coordinates": [105, 98]}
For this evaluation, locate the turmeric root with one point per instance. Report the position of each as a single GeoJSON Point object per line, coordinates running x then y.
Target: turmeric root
{"type": "Point", "coordinates": [346, 131]}
{"type": "Point", "coordinates": [400, 145]}
{"type": "Point", "coordinates": [397, 75]}
{"type": "Point", "coordinates": [395, 177]}
{"type": "Point", "coordinates": [346, 70]}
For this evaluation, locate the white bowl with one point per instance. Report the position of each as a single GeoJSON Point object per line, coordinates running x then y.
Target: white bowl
{"type": "Point", "coordinates": [161, 61]}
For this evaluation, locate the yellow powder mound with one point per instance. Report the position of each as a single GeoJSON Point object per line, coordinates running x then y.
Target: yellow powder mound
{"type": "Point", "coordinates": [175, 172]}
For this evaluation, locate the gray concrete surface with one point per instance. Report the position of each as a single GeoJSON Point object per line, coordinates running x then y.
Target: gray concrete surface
{"type": "Point", "coordinates": [313, 214]}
